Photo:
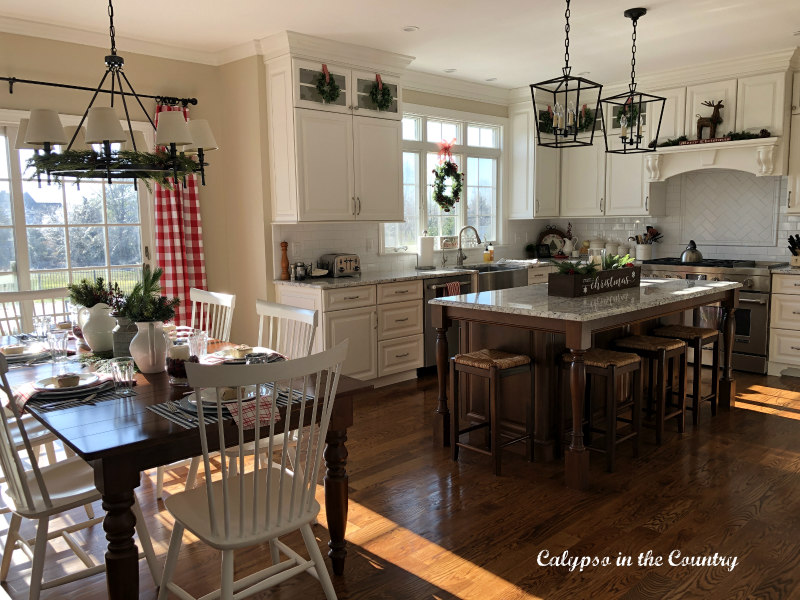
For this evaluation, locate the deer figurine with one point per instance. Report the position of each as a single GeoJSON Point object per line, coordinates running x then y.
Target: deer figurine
{"type": "Point", "coordinates": [710, 122]}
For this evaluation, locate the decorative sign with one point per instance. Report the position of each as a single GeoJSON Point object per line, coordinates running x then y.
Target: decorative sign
{"type": "Point", "coordinates": [574, 286]}
{"type": "Point", "coordinates": [708, 141]}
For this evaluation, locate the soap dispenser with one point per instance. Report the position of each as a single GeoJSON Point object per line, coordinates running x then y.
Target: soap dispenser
{"type": "Point", "coordinates": [487, 257]}
{"type": "Point", "coordinates": [490, 247]}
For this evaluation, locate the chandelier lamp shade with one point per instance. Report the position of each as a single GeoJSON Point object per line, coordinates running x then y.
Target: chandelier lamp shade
{"type": "Point", "coordinates": [631, 109]}
{"type": "Point", "coordinates": [103, 148]}
{"type": "Point", "coordinates": [566, 107]}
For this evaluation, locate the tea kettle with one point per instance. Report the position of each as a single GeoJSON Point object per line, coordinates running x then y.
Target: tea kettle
{"type": "Point", "coordinates": [691, 254]}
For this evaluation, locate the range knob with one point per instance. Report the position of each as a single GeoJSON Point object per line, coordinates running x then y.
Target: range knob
{"type": "Point", "coordinates": [341, 269]}
{"type": "Point", "coordinates": [715, 279]}
{"type": "Point", "coordinates": [748, 283]}
{"type": "Point", "coordinates": [356, 268]}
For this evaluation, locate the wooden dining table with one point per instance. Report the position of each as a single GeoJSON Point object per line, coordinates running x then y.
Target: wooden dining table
{"type": "Point", "coordinates": [120, 438]}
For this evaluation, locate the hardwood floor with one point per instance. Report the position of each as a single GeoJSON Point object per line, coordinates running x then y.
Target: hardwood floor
{"type": "Point", "coordinates": [422, 526]}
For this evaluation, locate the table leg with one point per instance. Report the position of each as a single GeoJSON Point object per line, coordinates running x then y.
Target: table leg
{"type": "Point", "coordinates": [336, 496]}
{"type": "Point", "coordinates": [116, 482]}
{"type": "Point", "coordinates": [577, 457]}
{"type": "Point", "coordinates": [727, 385]}
{"type": "Point", "coordinates": [442, 368]}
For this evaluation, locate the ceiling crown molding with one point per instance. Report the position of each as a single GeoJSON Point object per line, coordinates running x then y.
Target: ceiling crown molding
{"type": "Point", "coordinates": [314, 48]}
{"type": "Point", "coordinates": [421, 81]}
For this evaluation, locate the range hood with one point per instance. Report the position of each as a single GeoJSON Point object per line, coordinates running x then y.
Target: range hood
{"type": "Point", "coordinates": [760, 156]}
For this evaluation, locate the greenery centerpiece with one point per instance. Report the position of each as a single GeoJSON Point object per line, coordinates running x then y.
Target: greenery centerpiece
{"type": "Point", "coordinates": [576, 279]}
{"type": "Point", "coordinates": [95, 323]}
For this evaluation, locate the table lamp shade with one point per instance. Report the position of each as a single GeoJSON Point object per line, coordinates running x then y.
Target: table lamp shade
{"type": "Point", "coordinates": [80, 140]}
{"type": "Point", "coordinates": [102, 125]}
{"type": "Point", "coordinates": [138, 137]}
{"type": "Point", "coordinates": [45, 126]}
{"type": "Point", "coordinates": [172, 129]}
{"type": "Point", "coordinates": [20, 143]}
{"type": "Point", "coordinates": [202, 136]}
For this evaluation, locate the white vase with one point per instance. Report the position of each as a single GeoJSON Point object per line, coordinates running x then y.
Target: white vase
{"type": "Point", "coordinates": [149, 347]}
{"type": "Point", "coordinates": [644, 251]}
{"type": "Point", "coordinates": [96, 323]}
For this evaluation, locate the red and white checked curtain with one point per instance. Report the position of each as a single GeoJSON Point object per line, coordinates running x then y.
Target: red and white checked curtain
{"type": "Point", "coordinates": [179, 238]}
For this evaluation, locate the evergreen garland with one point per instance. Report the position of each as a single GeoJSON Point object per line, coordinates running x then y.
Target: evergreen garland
{"type": "Point", "coordinates": [441, 173]}
{"type": "Point", "coordinates": [381, 97]}
{"type": "Point", "coordinates": [328, 90]}
{"type": "Point", "coordinates": [145, 302]}
{"type": "Point", "coordinates": [585, 120]}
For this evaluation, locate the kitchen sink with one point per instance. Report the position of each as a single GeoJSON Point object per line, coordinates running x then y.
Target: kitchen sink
{"type": "Point", "coordinates": [498, 277]}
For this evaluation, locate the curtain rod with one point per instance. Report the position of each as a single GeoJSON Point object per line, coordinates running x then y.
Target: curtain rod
{"type": "Point", "coordinates": [163, 99]}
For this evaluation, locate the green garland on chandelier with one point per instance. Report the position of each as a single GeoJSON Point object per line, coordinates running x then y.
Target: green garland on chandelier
{"type": "Point", "coordinates": [447, 169]}
{"type": "Point", "coordinates": [329, 90]}
{"type": "Point", "coordinates": [585, 120]}
{"type": "Point", "coordinates": [381, 97]}
{"type": "Point", "coordinates": [86, 164]}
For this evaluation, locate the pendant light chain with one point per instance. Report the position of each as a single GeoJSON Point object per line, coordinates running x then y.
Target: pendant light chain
{"type": "Point", "coordinates": [566, 39]}
{"type": "Point", "coordinates": [633, 56]}
{"type": "Point", "coordinates": [111, 30]}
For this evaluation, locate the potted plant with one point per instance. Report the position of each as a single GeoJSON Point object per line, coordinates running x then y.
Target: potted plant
{"type": "Point", "coordinates": [575, 279]}
{"type": "Point", "coordinates": [146, 307]}
{"type": "Point", "coordinates": [97, 299]}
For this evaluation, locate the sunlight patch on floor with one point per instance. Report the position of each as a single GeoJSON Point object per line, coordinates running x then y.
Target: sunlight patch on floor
{"type": "Point", "coordinates": [767, 400]}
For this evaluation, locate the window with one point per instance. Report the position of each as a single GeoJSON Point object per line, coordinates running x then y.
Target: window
{"type": "Point", "coordinates": [52, 235]}
{"type": "Point", "coordinates": [476, 150]}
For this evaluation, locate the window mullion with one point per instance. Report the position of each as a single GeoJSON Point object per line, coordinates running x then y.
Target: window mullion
{"type": "Point", "coordinates": [18, 215]}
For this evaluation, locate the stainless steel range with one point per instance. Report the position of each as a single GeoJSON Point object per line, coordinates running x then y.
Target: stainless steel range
{"type": "Point", "coordinates": [752, 316]}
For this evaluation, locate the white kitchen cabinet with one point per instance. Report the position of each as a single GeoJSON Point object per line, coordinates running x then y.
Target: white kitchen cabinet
{"type": "Point", "coordinates": [362, 83]}
{"type": "Point", "coordinates": [784, 323]}
{"type": "Point", "coordinates": [534, 170]}
{"type": "Point", "coordinates": [628, 192]}
{"type": "Point", "coordinates": [583, 181]}
{"type": "Point", "coordinates": [377, 169]}
{"type": "Point", "coordinates": [712, 92]}
{"type": "Point", "coordinates": [326, 187]}
{"type": "Point", "coordinates": [400, 354]}
{"type": "Point", "coordinates": [308, 298]}
{"type": "Point", "coordinates": [359, 325]}
{"type": "Point", "coordinates": [793, 181]}
{"type": "Point", "coordinates": [306, 95]}
{"type": "Point", "coordinates": [673, 119]}
{"type": "Point", "coordinates": [760, 103]}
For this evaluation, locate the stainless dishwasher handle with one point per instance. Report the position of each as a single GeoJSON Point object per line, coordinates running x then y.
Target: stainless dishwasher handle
{"type": "Point", "coordinates": [749, 301]}
{"type": "Point", "coordinates": [441, 286]}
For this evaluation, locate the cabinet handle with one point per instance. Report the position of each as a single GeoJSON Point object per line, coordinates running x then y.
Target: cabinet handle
{"type": "Point", "coordinates": [359, 205]}
{"type": "Point", "coordinates": [794, 347]}
{"type": "Point", "coordinates": [797, 285]}
{"type": "Point", "coordinates": [789, 202]}
{"type": "Point", "coordinates": [352, 297]}
{"type": "Point", "coordinates": [646, 200]}
{"type": "Point", "coordinates": [406, 354]}
{"type": "Point", "coordinates": [796, 312]}
{"type": "Point", "coordinates": [537, 205]}
{"type": "Point", "coordinates": [602, 205]}
{"type": "Point", "coordinates": [353, 198]}
{"type": "Point", "coordinates": [401, 291]}
{"type": "Point", "coordinates": [401, 320]}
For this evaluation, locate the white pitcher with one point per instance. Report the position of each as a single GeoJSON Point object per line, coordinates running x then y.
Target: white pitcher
{"type": "Point", "coordinates": [96, 323]}
{"type": "Point", "coordinates": [149, 347]}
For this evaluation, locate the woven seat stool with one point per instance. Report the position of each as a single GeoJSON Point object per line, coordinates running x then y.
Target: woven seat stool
{"type": "Point", "coordinates": [493, 365]}
{"type": "Point", "coordinates": [696, 338]}
{"type": "Point", "coordinates": [660, 355]}
{"type": "Point", "coordinates": [611, 366]}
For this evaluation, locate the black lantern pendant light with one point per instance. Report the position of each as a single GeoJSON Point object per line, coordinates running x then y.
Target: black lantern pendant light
{"type": "Point", "coordinates": [566, 107]}
{"type": "Point", "coordinates": [632, 108]}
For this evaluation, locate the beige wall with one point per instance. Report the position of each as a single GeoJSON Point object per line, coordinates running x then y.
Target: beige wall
{"type": "Point", "coordinates": [450, 103]}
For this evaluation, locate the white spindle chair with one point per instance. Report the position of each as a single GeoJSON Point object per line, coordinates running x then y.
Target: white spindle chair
{"type": "Point", "coordinates": [290, 331]}
{"type": "Point", "coordinates": [213, 313]}
{"type": "Point", "coordinates": [248, 509]}
{"type": "Point", "coordinates": [17, 309]}
{"type": "Point", "coordinates": [41, 493]}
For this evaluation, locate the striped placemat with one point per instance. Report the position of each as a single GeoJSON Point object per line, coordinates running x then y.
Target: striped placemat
{"type": "Point", "coordinates": [181, 417]}
{"type": "Point", "coordinates": [51, 404]}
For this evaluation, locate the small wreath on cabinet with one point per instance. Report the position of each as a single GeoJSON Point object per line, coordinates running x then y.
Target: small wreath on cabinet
{"type": "Point", "coordinates": [381, 95]}
{"type": "Point", "coordinates": [442, 172]}
{"type": "Point", "coordinates": [327, 87]}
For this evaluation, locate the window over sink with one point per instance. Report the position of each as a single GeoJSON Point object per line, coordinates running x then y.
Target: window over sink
{"type": "Point", "coordinates": [477, 149]}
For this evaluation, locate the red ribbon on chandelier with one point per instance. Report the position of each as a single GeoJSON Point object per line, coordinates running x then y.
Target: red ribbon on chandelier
{"type": "Point", "coordinates": [446, 150]}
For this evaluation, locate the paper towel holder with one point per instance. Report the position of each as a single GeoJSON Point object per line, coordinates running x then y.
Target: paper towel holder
{"type": "Point", "coordinates": [427, 267]}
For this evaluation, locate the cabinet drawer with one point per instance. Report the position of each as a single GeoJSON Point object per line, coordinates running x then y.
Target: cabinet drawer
{"type": "Point", "coordinates": [399, 319]}
{"type": "Point", "coordinates": [786, 284]}
{"type": "Point", "coordinates": [784, 346]}
{"type": "Point", "coordinates": [349, 297]}
{"type": "Point", "coordinates": [399, 291]}
{"type": "Point", "coordinates": [785, 313]}
{"type": "Point", "coordinates": [401, 354]}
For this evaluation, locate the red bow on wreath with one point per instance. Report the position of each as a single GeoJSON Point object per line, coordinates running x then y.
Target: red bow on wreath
{"type": "Point", "coordinates": [380, 81]}
{"type": "Point", "coordinates": [445, 150]}
{"type": "Point", "coordinates": [326, 73]}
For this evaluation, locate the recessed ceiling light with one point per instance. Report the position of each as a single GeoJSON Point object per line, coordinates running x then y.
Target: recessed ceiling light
{"type": "Point", "coordinates": [449, 70]}
{"type": "Point", "coordinates": [491, 79]}
{"type": "Point", "coordinates": [410, 28]}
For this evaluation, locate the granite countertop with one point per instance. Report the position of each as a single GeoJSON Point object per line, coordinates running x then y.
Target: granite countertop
{"type": "Point", "coordinates": [785, 269]}
{"type": "Point", "coordinates": [372, 277]}
{"type": "Point", "coordinates": [533, 300]}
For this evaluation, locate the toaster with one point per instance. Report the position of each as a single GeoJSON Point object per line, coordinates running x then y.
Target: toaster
{"type": "Point", "coordinates": [340, 265]}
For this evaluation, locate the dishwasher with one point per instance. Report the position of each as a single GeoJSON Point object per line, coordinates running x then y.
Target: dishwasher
{"type": "Point", "coordinates": [436, 288]}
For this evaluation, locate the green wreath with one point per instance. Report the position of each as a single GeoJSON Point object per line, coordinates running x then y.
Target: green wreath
{"type": "Point", "coordinates": [328, 90]}
{"type": "Point", "coordinates": [381, 97]}
{"type": "Point", "coordinates": [441, 173]}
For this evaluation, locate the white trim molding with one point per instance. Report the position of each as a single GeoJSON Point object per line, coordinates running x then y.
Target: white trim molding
{"type": "Point", "coordinates": [420, 81]}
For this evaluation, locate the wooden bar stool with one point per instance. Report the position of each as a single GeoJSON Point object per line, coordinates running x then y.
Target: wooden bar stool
{"type": "Point", "coordinates": [611, 365]}
{"type": "Point", "coordinates": [696, 338]}
{"type": "Point", "coordinates": [494, 365]}
{"type": "Point", "coordinates": [661, 353]}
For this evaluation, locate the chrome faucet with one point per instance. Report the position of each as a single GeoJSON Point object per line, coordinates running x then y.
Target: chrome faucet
{"type": "Point", "coordinates": [461, 256]}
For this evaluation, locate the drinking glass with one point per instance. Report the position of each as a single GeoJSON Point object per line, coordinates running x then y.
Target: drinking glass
{"type": "Point", "coordinates": [122, 369]}
{"type": "Point", "coordinates": [41, 325]}
{"type": "Point", "coordinates": [258, 358]}
{"type": "Point", "coordinates": [57, 340]}
{"type": "Point", "coordinates": [198, 343]}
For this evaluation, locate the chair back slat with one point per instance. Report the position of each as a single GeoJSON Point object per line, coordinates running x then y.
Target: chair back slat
{"type": "Point", "coordinates": [10, 461]}
{"type": "Point", "coordinates": [213, 313]}
{"type": "Point", "coordinates": [17, 309]}
{"type": "Point", "coordinates": [289, 330]}
{"type": "Point", "coordinates": [278, 494]}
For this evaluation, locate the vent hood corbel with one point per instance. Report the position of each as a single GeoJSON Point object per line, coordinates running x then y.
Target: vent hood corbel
{"type": "Point", "coordinates": [757, 156]}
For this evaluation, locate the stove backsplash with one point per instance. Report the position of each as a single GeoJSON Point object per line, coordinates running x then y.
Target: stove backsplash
{"type": "Point", "coordinates": [730, 214]}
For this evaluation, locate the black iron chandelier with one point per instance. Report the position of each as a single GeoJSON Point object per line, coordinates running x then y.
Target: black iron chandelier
{"type": "Point", "coordinates": [566, 107]}
{"type": "Point", "coordinates": [631, 109]}
{"type": "Point", "coordinates": [180, 146]}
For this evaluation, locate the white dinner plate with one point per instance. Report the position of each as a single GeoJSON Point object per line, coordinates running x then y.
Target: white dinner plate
{"type": "Point", "coordinates": [51, 383]}
{"type": "Point", "coordinates": [209, 396]}
{"type": "Point", "coordinates": [228, 352]}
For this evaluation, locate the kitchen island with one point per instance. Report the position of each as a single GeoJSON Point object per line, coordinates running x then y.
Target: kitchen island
{"type": "Point", "coordinates": [576, 321]}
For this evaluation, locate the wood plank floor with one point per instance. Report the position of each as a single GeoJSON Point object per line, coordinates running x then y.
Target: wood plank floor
{"type": "Point", "coordinates": [421, 526]}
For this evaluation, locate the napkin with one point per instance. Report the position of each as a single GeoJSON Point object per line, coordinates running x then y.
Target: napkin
{"type": "Point", "coordinates": [28, 391]}
{"type": "Point", "coordinates": [248, 414]}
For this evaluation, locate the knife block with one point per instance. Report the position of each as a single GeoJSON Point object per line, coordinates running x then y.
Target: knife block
{"type": "Point", "coordinates": [794, 261]}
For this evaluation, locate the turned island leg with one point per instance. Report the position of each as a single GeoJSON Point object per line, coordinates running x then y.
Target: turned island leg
{"type": "Point", "coordinates": [441, 421]}
{"type": "Point", "coordinates": [577, 457]}
{"type": "Point", "coordinates": [727, 385]}
{"type": "Point", "coordinates": [336, 496]}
